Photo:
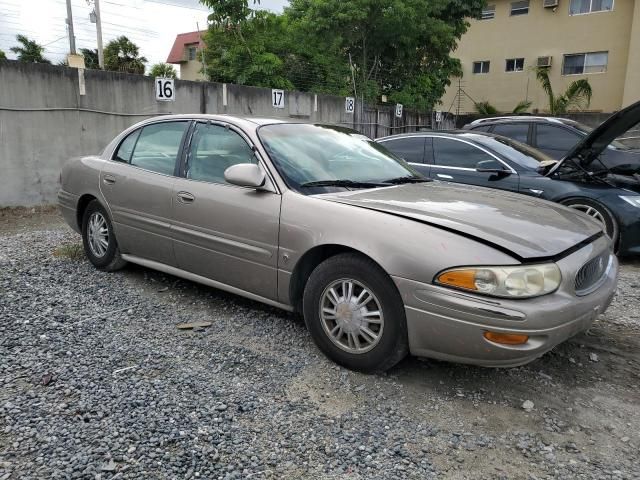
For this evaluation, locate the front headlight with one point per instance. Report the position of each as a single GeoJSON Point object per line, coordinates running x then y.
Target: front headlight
{"type": "Point", "coordinates": [519, 281]}
{"type": "Point", "coordinates": [632, 199]}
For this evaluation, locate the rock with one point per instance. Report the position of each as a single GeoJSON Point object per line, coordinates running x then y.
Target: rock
{"type": "Point", "coordinates": [527, 405]}
{"type": "Point", "coordinates": [110, 466]}
{"type": "Point", "coordinates": [593, 357]}
{"type": "Point", "coordinates": [191, 325]}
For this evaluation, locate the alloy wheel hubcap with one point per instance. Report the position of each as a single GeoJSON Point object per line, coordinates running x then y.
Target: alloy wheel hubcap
{"type": "Point", "coordinates": [592, 212]}
{"type": "Point", "coordinates": [98, 234]}
{"type": "Point", "coordinates": [351, 316]}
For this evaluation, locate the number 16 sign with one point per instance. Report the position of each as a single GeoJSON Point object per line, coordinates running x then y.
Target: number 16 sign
{"type": "Point", "coordinates": [165, 91]}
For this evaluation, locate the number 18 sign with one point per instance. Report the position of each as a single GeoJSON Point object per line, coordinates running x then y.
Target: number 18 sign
{"type": "Point", "coordinates": [165, 91]}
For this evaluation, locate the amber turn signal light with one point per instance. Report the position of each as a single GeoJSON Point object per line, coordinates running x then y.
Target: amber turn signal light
{"type": "Point", "coordinates": [459, 278]}
{"type": "Point", "coordinates": [506, 338]}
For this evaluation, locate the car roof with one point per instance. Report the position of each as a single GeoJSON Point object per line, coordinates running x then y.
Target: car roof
{"type": "Point", "coordinates": [521, 118]}
{"type": "Point", "coordinates": [467, 134]}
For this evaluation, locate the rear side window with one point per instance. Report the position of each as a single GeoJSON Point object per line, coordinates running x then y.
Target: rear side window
{"type": "Point", "coordinates": [483, 128]}
{"type": "Point", "coordinates": [516, 131]}
{"type": "Point", "coordinates": [452, 153]}
{"type": "Point", "coordinates": [123, 154]}
{"type": "Point", "coordinates": [215, 148]}
{"type": "Point", "coordinates": [158, 146]}
{"type": "Point", "coordinates": [410, 149]}
{"type": "Point", "coordinates": [556, 138]}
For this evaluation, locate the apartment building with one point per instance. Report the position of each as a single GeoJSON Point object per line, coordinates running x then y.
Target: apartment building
{"type": "Point", "coordinates": [594, 39]}
{"type": "Point", "coordinates": [186, 52]}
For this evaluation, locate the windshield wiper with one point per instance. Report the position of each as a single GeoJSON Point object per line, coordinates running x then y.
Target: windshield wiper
{"type": "Point", "coordinates": [343, 183]}
{"type": "Point", "coordinates": [401, 180]}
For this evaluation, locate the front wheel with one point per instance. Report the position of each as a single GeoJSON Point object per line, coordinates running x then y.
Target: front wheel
{"type": "Point", "coordinates": [99, 240]}
{"type": "Point", "coordinates": [355, 314]}
{"type": "Point", "coordinates": [598, 212]}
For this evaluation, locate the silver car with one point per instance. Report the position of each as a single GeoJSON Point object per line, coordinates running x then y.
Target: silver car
{"type": "Point", "coordinates": [319, 219]}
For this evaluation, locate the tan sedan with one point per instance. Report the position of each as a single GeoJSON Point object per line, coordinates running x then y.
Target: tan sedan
{"type": "Point", "coordinates": [321, 220]}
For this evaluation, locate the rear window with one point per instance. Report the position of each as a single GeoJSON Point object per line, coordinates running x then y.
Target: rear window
{"type": "Point", "coordinates": [517, 131]}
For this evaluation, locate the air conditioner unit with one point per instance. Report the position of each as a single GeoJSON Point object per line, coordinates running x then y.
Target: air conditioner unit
{"type": "Point", "coordinates": [544, 61]}
{"type": "Point", "coordinates": [550, 3]}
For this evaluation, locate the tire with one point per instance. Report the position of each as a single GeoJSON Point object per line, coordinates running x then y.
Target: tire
{"type": "Point", "coordinates": [106, 258]}
{"type": "Point", "coordinates": [598, 212]}
{"type": "Point", "coordinates": [389, 329]}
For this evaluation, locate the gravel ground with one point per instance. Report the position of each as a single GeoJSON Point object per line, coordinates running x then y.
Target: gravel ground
{"type": "Point", "coordinates": [97, 382]}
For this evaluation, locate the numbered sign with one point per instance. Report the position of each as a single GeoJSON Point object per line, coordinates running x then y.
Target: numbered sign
{"type": "Point", "coordinates": [438, 116]}
{"type": "Point", "coordinates": [398, 110]}
{"type": "Point", "coordinates": [350, 104]}
{"type": "Point", "coordinates": [277, 98]}
{"type": "Point", "coordinates": [165, 91]}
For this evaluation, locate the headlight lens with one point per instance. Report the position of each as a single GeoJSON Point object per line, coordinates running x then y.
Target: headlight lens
{"type": "Point", "coordinates": [632, 199]}
{"type": "Point", "coordinates": [519, 281]}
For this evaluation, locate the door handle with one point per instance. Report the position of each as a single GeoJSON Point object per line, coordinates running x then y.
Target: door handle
{"type": "Point", "coordinates": [442, 175]}
{"type": "Point", "coordinates": [109, 179]}
{"type": "Point", "coordinates": [186, 197]}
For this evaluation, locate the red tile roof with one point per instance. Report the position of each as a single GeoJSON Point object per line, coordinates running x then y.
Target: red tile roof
{"type": "Point", "coordinates": [182, 40]}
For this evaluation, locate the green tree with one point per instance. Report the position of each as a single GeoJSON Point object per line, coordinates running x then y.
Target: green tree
{"type": "Point", "coordinates": [162, 70]}
{"type": "Point", "coordinates": [333, 46]}
{"type": "Point", "coordinates": [90, 58]}
{"type": "Point", "coordinates": [577, 95]}
{"type": "Point", "coordinates": [485, 108]}
{"type": "Point", "coordinates": [29, 51]}
{"type": "Point", "coordinates": [122, 55]}
{"type": "Point", "coordinates": [3, 56]}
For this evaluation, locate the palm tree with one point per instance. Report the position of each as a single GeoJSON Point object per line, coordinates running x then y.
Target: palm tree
{"type": "Point", "coordinates": [30, 51]}
{"type": "Point", "coordinates": [122, 55]}
{"type": "Point", "coordinates": [3, 56]}
{"type": "Point", "coordinates": [577, 95]}
{"type": "Point", "coordinates": [163, 70]}
{"type": "Point", "coordinates": [485, 108]}
{"type": "Point", "coordinates": [90, 58]}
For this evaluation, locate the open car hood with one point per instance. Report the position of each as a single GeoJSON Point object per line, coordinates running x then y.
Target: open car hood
{"type": "Point", "coordinates": [594, 144]}
{"type": "Point", "coordinates": [526, 228]}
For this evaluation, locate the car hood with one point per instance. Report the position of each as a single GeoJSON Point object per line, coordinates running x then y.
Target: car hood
{"type": "Point", "coordinates": [594, 144]}
{"type": "Point", "coordinates": [526, 228]}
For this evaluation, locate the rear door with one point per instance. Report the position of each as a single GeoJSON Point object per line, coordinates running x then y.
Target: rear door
{"type": "Point", "coordinates": [456, 161]}
{"type": "Point", "coordinates": [138, 185]}
{"type": "Point", "coordinates": [412, 149]}
{"type": "Point", "coordinates": [555, 140]}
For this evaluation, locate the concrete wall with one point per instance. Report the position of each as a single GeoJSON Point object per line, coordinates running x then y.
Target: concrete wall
{"type": "Point", "coordinates": [44, 120]}
{"type": "Point", "coordinates": [545, 32]}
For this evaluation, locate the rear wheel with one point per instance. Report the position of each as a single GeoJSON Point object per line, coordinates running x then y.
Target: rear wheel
{"type": "Point", "coordinates": [355, 314]}
{"type": "Point", "coordinates": [598, 212]}
{"type": "Point", "coordinates": [98, 239]}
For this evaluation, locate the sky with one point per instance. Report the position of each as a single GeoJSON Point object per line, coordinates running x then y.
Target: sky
{"type": "Point", "coordinates": [151, 24]}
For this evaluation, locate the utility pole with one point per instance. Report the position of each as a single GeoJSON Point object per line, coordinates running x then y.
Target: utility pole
{"type": "Point", "coordinates": [99, 33]}
{"type": "Point", "coordinates": [72, 38]}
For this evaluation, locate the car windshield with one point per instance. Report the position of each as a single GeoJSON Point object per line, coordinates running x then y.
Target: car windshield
{"type": "Point", "coordinates": [517, 152]}
{"type": "Point", "coordinates": [616, 144]}
{"type": "Point", "coordinates": [312, 157]}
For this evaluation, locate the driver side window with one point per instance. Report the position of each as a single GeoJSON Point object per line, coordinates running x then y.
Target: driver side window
{"type": "Point", "coordinates": [215, 148]}
{"type": "Point", "coordinates": [453, 153]}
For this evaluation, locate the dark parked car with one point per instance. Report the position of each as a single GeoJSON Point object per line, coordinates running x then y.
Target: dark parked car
{"type": "Point", "coordinates": [554, 136]}
{"type": "Point", "coordinates": [611, 196]}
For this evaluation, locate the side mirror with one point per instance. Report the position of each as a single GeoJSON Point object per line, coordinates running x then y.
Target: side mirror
{"type": "Point", "coordinates": [245, 175]}
{"type": "Point", "coordinates": [492, 166]}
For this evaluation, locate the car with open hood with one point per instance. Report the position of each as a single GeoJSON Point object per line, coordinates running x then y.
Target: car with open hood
{"type": "Point", "coordinates": [321, 220]}
{"type": "Point", "coordinates": [611, 195]}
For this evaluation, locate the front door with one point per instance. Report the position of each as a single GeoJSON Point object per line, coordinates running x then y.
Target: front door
{"type": "Point", "coordinates": [226, 233]}
{"type": "Point", "coordinates": [456, 161]}
{"type": "Point", "coordinates": [138, 186]}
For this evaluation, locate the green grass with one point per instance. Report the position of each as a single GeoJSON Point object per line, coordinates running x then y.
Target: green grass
{"type": "Point", "coordinates": [72, 251]}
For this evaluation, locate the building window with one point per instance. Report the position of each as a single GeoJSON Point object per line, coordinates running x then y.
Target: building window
{"type": "Point", "coordinates": [580, 7]}
{"type": "Point", "coordinates": [580, 63]}
{"type": "Point", "coordinates": [488, 12]}
{"type": "Point", "coordinates": [481, 67]}
{"type": "Point", "coordinates": [520, 8]}
{"type": "Point", "coordinates": [191, 52]}
{"type": "Point", "coordinates": [514, 65]}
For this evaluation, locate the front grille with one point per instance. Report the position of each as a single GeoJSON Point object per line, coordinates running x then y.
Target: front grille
{"type": "Point", "coordinates": [591, 273]}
